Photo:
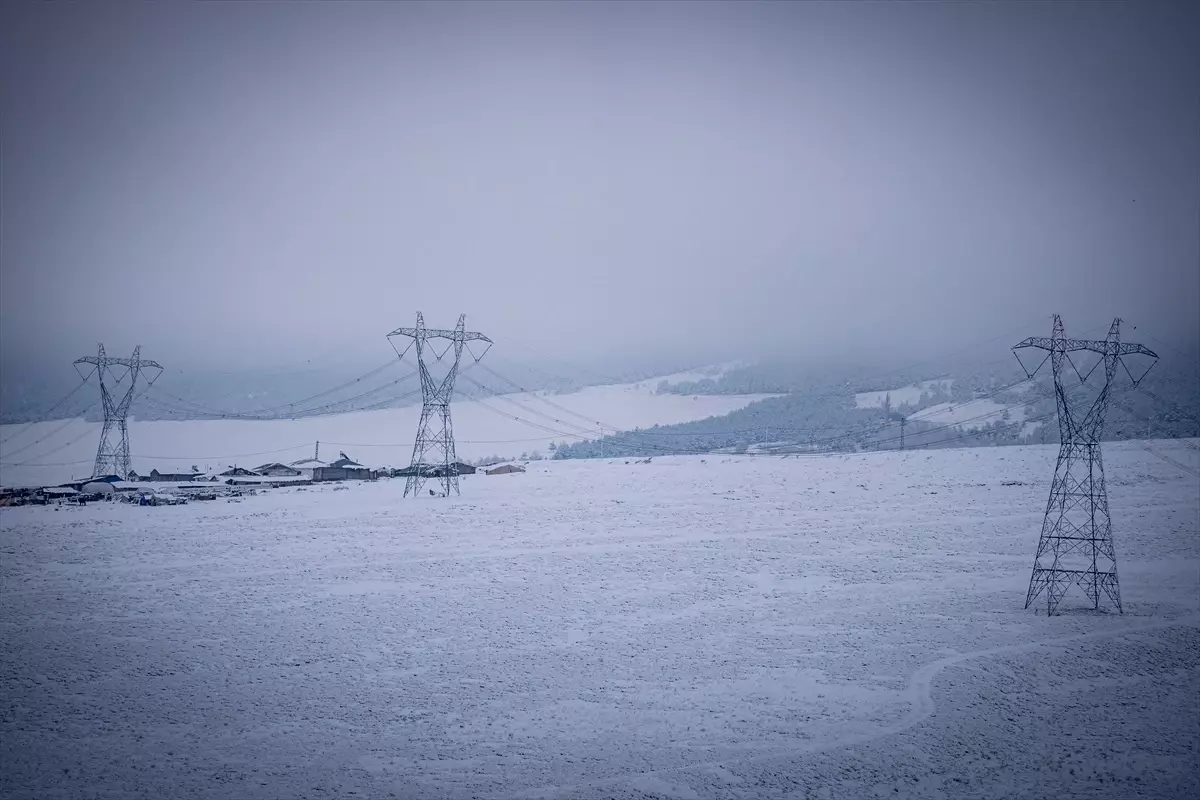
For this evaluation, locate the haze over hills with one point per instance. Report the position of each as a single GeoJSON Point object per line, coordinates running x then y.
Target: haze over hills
{"type": "Point", "coordinates": [496, 424]}
{"type": "Point", "coordinates": [29, 391]}
{"type": "Point", "coordinates": [508, 409]}
{"type": "Point", "coordinates": [959, 402]}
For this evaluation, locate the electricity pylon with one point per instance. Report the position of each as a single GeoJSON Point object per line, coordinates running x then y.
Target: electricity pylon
{"type": "Point", "coordinates": [113, 459]}
{"type": "Point", "coordinates": [433, 451]}
{"type": "Point", "coordinates": [1076, 546]}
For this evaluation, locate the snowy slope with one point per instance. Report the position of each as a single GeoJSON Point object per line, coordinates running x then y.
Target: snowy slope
{"type": "Point", "coordinates": [375, 438]}
{"type": "Point", "coordinates": [902, 395]}
{"type": "Point", "coordinates": [974, 413]}
{"type": "Point", "coordinates": [714, 372]}
{"type": "Point", "coordinates": [716, 627]}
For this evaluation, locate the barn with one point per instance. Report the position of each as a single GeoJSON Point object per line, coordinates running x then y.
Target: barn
{"type": "Point", "coordinates": [277, 470]}
{"type": "Point", "coordinates": [308, 466]}
{"type": "Point", "coordinates": [505, 469]}
{"type": "Point", "coordinates": [237, 472]}
{"type": "Point", "coordinates": [343, 469]}
{"type": "Point", "coordinates": [174, 477]}
{"type": "Point", "coordinates": [433, 470]}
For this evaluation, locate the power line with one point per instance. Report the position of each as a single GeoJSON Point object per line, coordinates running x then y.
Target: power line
{"type": "Point", "coordinates": [329, 409]}
{"type": "Point", "coordinates": [52, 433]}
{"type": "Point", "coordinates": [626, 440]}
{"type": "Point", "coordinates": [45, 414]}
{"type": "Point", "coordinates": [1167, 345]}
{"type": "Point", "coordinates": [31, 463]}
{"type": "Point", "coordinates": [508, 399]}
{"type": "Point", "coordinates": [459, 441]}
{"type": "Point", "coordinates": [62, 446]}
{"type": "Point", "coordinates": [529, 423]}
{"type": "Point", "coordinates": [873, 376]}
{"type": "Point", "coordinates": [1168, 459]}
{"type": "Point", "coordinates": [538, 396]}
{"type": "Point", "coordinates": [303, 446]}
{"type": "Point", "coordinates": [847, 434]}
{"type": "Point", "coordinates": [1168, 404]}
{"type": "Point", "coordinates": [652, 432]}
{"type": "Point", "coordinates": [964, 436]}
{"type": "Point", "coordinates": [273, 412]}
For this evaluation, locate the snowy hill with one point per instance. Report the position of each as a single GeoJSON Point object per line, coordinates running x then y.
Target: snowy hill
{"type": "Point", "coordinates": [506, 426]}
{"type": "Point", "coordinates": [900, 396]}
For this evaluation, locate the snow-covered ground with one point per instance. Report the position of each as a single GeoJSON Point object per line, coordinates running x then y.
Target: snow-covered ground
{"type": "Point", "coordinates": [900, 396]}
{"type": "Point", "coordinates": [713, 372]}
{"type": "Point", "coordinates": [973, 413]}
{"type": "Point", "coordinates": [374, 438]}
{"type": "Point", "coordinates": [717, 627]}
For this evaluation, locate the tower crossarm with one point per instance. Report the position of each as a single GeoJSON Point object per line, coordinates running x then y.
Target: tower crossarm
{"type": "Point", "coordinates": [1135, 349]}
{"type": "Point", "coordinates": [141, 363]}
{"type": "Point", "coordinates": [441, 333]}
{"type": "Point", "coordinates": [1101, 346]}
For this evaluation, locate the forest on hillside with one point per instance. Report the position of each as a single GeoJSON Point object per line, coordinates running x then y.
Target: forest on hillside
{"type": "Point", "coordinates": [988, 405]}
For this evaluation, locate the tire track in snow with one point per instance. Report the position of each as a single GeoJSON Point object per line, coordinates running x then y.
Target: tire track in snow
{"type": "Point", "coordinates": [919, 692]}
{"type": "Point", "coordinates": [920, 685]}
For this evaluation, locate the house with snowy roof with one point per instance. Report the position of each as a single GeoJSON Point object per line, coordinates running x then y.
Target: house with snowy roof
{"type": "Point", "coordinates": [277, 470]}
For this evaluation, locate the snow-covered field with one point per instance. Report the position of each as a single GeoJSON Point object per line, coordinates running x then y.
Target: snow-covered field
{"type": "Point", "coordinates": [973, 413]}
{"type": "Point", "coordinates": [719, 627]}
{"type": "Point", "coordinates": [900, 396]}
{"type": "Point", "coordinates": [713, 372]}
{"type": "Point", "coordinates": [374, 438]}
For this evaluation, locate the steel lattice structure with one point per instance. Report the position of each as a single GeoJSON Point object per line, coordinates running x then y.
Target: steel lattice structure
{"type": "Point", "coordinates": [1076, 545]}
{"type": "Point", "coordinates": [433, 451]}
{"type": "Point", "coordinates": [113, 458]}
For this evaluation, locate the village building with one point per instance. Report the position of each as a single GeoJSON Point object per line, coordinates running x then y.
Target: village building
{"type": "Point", "coordinates": [344, 468]}
{"type": "Point", "coordinates": [505, 469]}
{"type": "Point", "coordinates": [174, 477]}
{"type": "Point", "coordinates": [433, 470]}
{"type": "Point", "coordinates": [307, 466]}
{"type": "Point", "coordinates": [277, 470]}
{"type": "Point", "coordinates": [238, 472]}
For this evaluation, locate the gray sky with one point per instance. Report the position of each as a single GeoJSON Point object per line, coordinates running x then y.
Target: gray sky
{"type": "Point", "coordinates": [858, 178]}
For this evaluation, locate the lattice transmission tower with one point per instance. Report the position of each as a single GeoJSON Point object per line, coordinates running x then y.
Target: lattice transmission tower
{"type": "Point", "coordinates": [433, 451]}
{"type": "Point", "coordinates": [1076, 545]}
{"type": "Point", "coordinates": [112, 458]}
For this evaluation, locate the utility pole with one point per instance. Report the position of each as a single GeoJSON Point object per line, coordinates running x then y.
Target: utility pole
{"type": "Point", "coordinates": [903, 422]}
{"type": "Point", "coordinates": [601, 441]}
{"type": "Point", "coordinates": [433, 451]}
{"type": "Point", "coordinates": [113, 459]}
{"type": "Point", "coordinates": [1076, 546]}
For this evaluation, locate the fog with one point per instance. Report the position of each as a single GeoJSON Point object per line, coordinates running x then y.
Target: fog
{"type": "Point", "coordinates": [265, 184]}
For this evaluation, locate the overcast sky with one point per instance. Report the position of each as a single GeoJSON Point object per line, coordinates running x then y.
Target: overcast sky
{"type": "Point", "coordinates": [257, 183]}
